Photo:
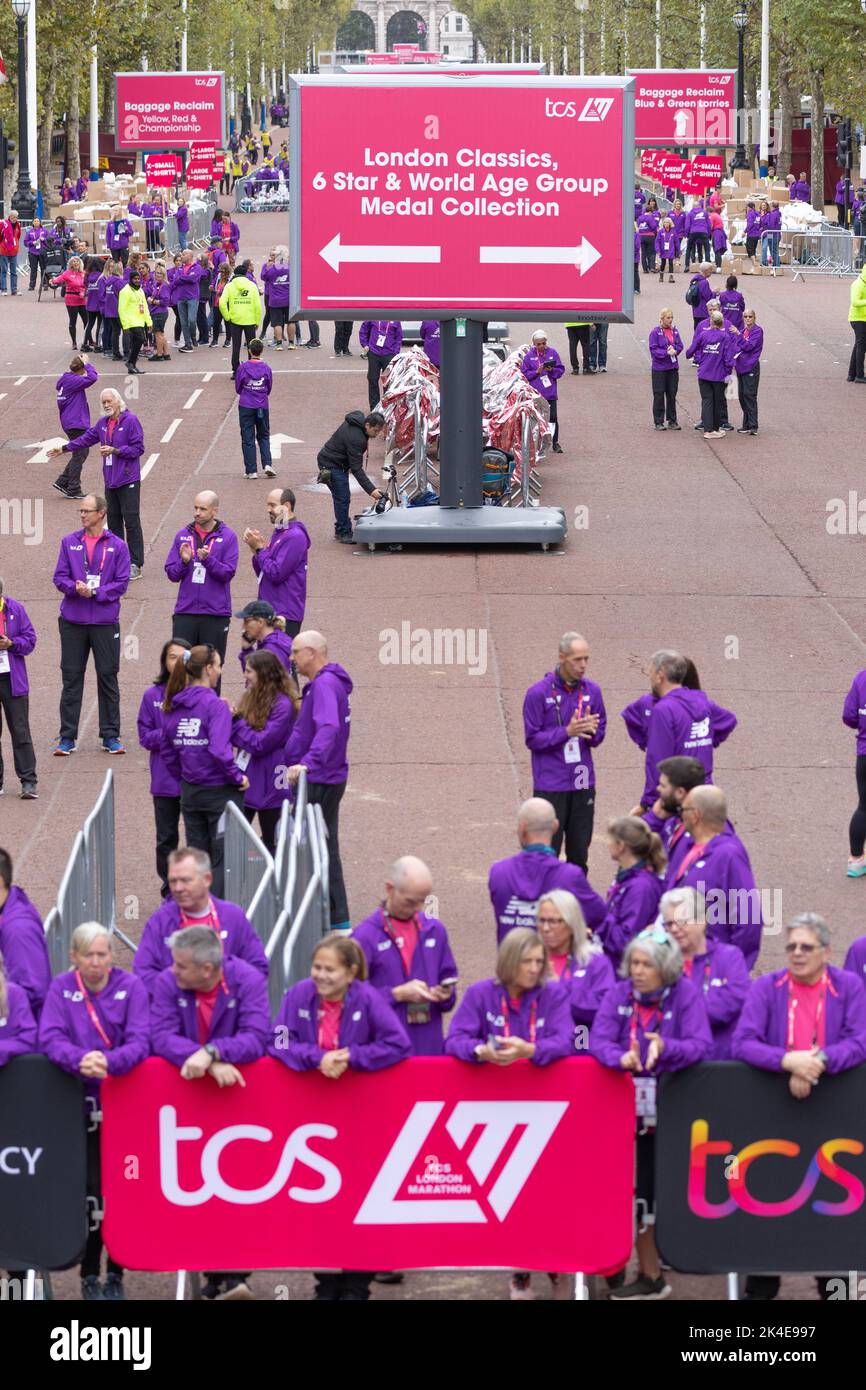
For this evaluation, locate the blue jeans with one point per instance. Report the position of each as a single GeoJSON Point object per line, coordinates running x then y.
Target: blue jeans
{"type": "Point", "coordinates": [770, 243]}
{"type": "Point", "coordinates": [598, 345]}
{"type": "Point", "coordinates": [339, 486]}
{"type": "Point", "coordinates": [187, 310]}
{"type": "Point", "coordinates": [255, 425]}
{"type": "Point", "coordinates": [181, 236]}
{"type": "Point", "coordinates": [12, 263]}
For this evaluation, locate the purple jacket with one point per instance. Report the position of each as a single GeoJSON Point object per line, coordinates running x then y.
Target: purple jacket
{"type": "Point", "coordinates": [753, 222]}
{"type": "Point", "coordinates": [22, 943]}
{"type": "Point", "coordinates": [277, 642]}
{"type": "Point", "coordinates": [151, 212]}
{"type": "Point", "coordinates": [112, 285]}
{"type": "Point", "coordinates": [124, 466]}
{"type": "Point", "coordinates": [150, 716]}
{"type": "Point", "coordinates": [66, 1030]}
{"type": "Point", "coordinates": [234, 234]}
{"type": "Point", "coordinates": [543, 370]}
{"type": "Point", "coordinates": [253, 384]}
{"type": "Point", "coordinates": [110, 562]}
{"type": "Point", "coordinates": [717, 355]}
{"type": "Point", "coordinates": [432, 962]}
{"type": "Point", "coordinates": [117, 234]}
{"type": "Point", "coordinates": [684, 1026]}
{"type": "Point", "coordinates": [382, 337]}
{"type": "Point", "coordinates": [431, 340]}
{"type": "Point", "coordinates": [639, 200]}
{"type": "Point", "coordinates": [71, 400]}
{"type": "Point", "coordinates": [720, 239]}
{"type": "Point", "coordinates": [35, 239]}
{"type": "Point", "coordinates": [481, 1012]}
{"type": "Point", "coordinates": [174, 285]}
{"type": "Point", "coordinates": [320, 738]}
{"type": "Point", "coordinates": [282, 571]}
{"type": "Point", "coordinates": [705, 292]}
{"type": "Point", "coordinates": [262, 756]}
{"type": "Point", "coordinates": [153, 956]}
{"type": "Point", "coordinates": [186, 281]}
{"type": "Point", "coordinates": [22, 635]}
{"type": "Point", "coordinates": [855, 961]}
{"type": "Point", "coordinates": [854, 709]}
{"type": "Point", "coordinates": [134, 207]}
{"type": "Point", "coordinates": [94, 289]}
{"type": "Point", "coordinates": [637, 248]}
{"type": "Point", "coordinates": [800, 192]}
{"type": "Point", "coordinates": [240, 1023]}
{"type": "Point", "coordinates": [585, 986]}
{"type": "Point", "coordinates": [684, 722]}
{"type": "Point", "coordinates": [516, 884]}
{"type": "Point", "coordinates": [732, 304]}
{"type": "Point", "coordinates": [196, 742]}
{"type": "Point", "coordinates": [369, 1028]}
{"type": "Point", "coordinates": [667, 244]}
{"type": "Point", "coordinates": [761, 1035]}
{"type": "Point", "coordinates": [182, 217]}
{"type": "Point", "coordinates": [722, 976]}
{"type": "Point", "coordinates": [697, 222]}
{"type": "Point", "coordinates": [679, 221]}
{"type": "Point", "coordinates": [276, 282]}
{"type": "Point", "coordinates": [839, 196]}
{"type": "Point", "coordinates": [559, 763]}
{"type": "Point", "coordinates": [772, 221]}
{"type": "Point", "coordinates": [158, 296]}
{"type": "Point", "coordinates": [748, 349]}
{"type": "Point", "coordinates": [660, 358]}
{"type": "Point", "coordinates": [632, 904]}
{"type": "Point", "coordinates": [18, 1028]}
{"type": "Point", "coordinates": [204, 586]}
{"type": "Point", "coordinates": [723, 873]}
{"type": "Point", "coordinates": [648, 224]}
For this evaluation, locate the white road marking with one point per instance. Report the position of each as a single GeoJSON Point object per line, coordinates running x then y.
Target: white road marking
{"type": "Point", "coordinates": [2, 395]}
{"type": "Point", "coordinates": [20, 380]}
{"type": "Point", "coordinates": [149, 465]}
{"type": "Point", "coordinates": [170, 431]}
{"type": "Point", "coordinates": [192, 400]}
{"type": "Point", "coordinates": [206, 378]}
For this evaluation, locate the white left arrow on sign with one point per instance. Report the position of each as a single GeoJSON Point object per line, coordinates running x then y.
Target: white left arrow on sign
{"type": "Point", "coordinates": [277, 442]}
{"type": "Point", "coordinates": [335, 253]}
{"type": "Point", "coordinates": [582, 257]}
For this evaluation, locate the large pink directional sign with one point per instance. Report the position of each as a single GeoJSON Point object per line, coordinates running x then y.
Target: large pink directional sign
{"type": "Point", "coordinates": [497, 196]}
{"type": "Point", "coordinates": [169, 110]}
{"type": "Point", "coordinates": [675, 107]}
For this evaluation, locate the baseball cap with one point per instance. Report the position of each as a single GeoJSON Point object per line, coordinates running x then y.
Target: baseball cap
{"type": "Point", "coordinates": [257, 609]}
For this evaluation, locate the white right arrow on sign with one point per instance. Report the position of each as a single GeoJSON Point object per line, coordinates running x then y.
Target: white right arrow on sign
{"type": "Point", "coordinates": [582, 257]}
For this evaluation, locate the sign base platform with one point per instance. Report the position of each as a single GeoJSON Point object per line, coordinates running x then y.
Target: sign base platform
{"type": "Point", "coordinates": [544, 526]}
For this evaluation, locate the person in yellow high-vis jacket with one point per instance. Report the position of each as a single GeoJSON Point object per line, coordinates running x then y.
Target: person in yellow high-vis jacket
{"type": "Point", "coordinates": [241, 307]}
{"type": "Point", "coordinates": [134, 318]}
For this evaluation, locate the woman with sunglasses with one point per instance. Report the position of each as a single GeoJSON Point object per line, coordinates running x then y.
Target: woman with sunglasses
{"type": "Point", "coordinates": [576, 960]}
{"type": "Point", "coordinates": [654, 1020]}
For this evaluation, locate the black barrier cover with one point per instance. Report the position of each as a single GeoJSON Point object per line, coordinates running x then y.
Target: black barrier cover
{"type": "Point", "coordinates": [780, 1187]}
{"type": "Point", "coordinates": [43, 1183]}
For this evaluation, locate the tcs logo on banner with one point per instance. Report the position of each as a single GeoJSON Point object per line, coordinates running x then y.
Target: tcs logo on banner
{"type": "Point", "coordinates": [737, 1169]}
{"type": "Point", "coordinates": [594, 109]}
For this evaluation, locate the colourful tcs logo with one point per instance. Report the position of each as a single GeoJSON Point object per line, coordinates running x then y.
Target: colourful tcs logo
{"type": "Point", "coordinates": [737, 1171]}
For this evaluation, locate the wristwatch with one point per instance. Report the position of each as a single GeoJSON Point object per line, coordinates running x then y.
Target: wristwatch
{"type": "Point", "coordinates": [212, 1051]}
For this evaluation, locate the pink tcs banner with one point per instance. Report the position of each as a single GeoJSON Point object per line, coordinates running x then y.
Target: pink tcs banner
{"type": "Point", "coordinates": [161, 170]}
{"type": "Point", "coordinates": [675, 107]}
{"type": "Point", "coordinates": [159, 110]}
{"type": "Point", "coordinates": [431, 1163]}
{"type": "Point", "coordinates": [482, 197]}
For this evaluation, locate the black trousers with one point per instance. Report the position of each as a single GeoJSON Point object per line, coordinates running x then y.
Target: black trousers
{"type": "Point", "coordinates": [313, 328]}
{"type": "Point", "coordinates": [554, 419]}
{"type": "Point", "coordinates": [135, 339]}
{"type": "Point", "coordinates": [328, 795]}
{"type": "Point", "coordinates": [575, 812]}
{"type": "Point", "coordinates": [35, 264]}
{"type": "Point", "coordinates": [376, 365]}
{"type": "Point", "coordinates": [77, 641]}
{"type": "Point", "coordinates": [857, 828]}
{"type": "Point", "coordinates": [217, 323]}
{"type": "Point", "coordinates": [70, 478]}
{"type": "Point", "coordinates": [342, 335]}
{"type": "Point", "coordinates": [202, 809]}
{"type": "Point", "coordinates": [697, 249]}
{"type": "Point", "coordinates": [637, 277]}
{"type": "Point", "coordinates": [17, 711]}
{"type": "Point", "coordinates": [712, 400]}
{"type": "Point", "coordinates": [166, 815]}
{"type": "Point", "coordinates": [647, 253]}
{"type": "Point", "coordinates": [201, 322]}
{"type": "Point", "coordinates": [93, 1249]}
{"type": "Point", "coordinates": [858, 352]}
{"type": "Point", "coordinates": [575, 336]}
{"type": "Point", "coordinates": [122, 255]}
{"type": "Point", "coordinates": [240, 331]}
{"type": "Point", "coordinates": [670, 266]}
{"type": "Point", "coordinates": [73, 312]}
{"type": "Point", "coordinates": [203, 628]}
{"type": "Point", "coordinates": [665, 387]}
{"type": "Point", "coordinates": [344, 1286]}
{"type": "Point", "coordinates": [111, 336]}
{"type": "Point", "coordinates": [747, 391]}
{"type": "Point", "coordinates": [91, 332]}
{"type": "Point", "coordinates": [269, 819]}
{"type": "Point", "coordinates": [124, 516]}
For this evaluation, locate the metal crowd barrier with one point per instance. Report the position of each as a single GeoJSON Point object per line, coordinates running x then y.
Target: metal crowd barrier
{"type": "Point", "coordinates": [247, 861]}
{"type": "Point", "coordinates": [262, 199]}
{"type": "Point", "coordinates": [198, 235]}
{"type": "Point", "coordinates": [824, 251]}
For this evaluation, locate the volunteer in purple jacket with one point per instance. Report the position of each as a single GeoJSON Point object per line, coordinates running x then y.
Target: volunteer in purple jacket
{"type": "Point", "coordinates": [576, 961]}
{"type": "Point", "coordinates": [263, 721]}
{"type": "Point", "coordinates": [74, 419]}
{"type": "Point", "coordinates": [714, 368]}
{"type": "Point", "coordinates": [381, 340]}
{"type": "Point", "coordinates": [839, 200]}
{"type": "Point", "coordinates": [431, 340]}
{"type": "Point", "coordinates": [319, 745]}
{"type": "Point", "coordinates": [718, 970]}
{"type": "Point", "coordinates": [112, 285]}
{"type": "Point", "coordinates": [117, 236]}
{"type": "Point", "coordinates": [92, 574]}
{"type": "Point", "coordinates": [677, 776]}
{"type": "Point", "coordinates": [261, 632]}
{"type": "Point", "coordinates": [186, 296]}
{"type": "Point", "coordinates": [36, 241]}
{"type": "Point", "coordinates": [697, 230]}
{"type": "Point", "coordinates": [800, 191]}
{"type": "Point", "coordinates": [747, 365]}
{"type": "Point", "coordinates": [700, 291]}
{"type": "Point", "coordinates": [17, 641]}
{"type": "Point", "coordinates": [542, 367]}
{"type": "Point", "coordinates": [808, 1020]}
{"type": "Point", "coordinates": [653, 1021]}
{"type": "Point", "coordinates": [17, 1024]}
{"type": "Point", "coordinates": [633, 897]}
{"type": "Point", "coordinates": [516, 884]}
{"type": "Point", "coordinates": [732, 304]}
{"type": "Point", "coordinates": [95, 1023]}
{"type": "Point", "coordinates": [753, 234]}
{"type": "Point", "coordinates": [665, 346]}
{"type": "Point", "coordinates": [22, 939]}
{"type": "Point", "coordinates": [711, 858]}
{"type": "Point", "coordinates": [197, 749]}
{"type": "Point", "coordinates": [121, 443]}
{"type": "Point", "coordinates": [164, 788]}
{"type": "Point", "coordinates": [333, 1023]}
{"type": "Point", "coordinates": [771, 232]}
{"type": "Point", "coordinates": [182, 219]}
{"type": "Point", "coordinates": [253, 383]}
{"type": "Point", "coordinates": [409, 958]}
{"type": "Point", "coordinates": [281, 562]}
{"type": "Point", "coordinates": [563, 720]}
{"type": "Point", "coordinates": [192, 904]}
{"type": "Point", "coordinates": [667, 248]}
{"type": "Point", "coordinates": [276, 280]}
{"type": "Point", "coordinates": [648, 226]}
{"type": "Point", "coordinates": [94, 298]}
{"type": "Point", "coordinates": [854, 717]}
{"type": "Point", "coordinates": [202, 562]}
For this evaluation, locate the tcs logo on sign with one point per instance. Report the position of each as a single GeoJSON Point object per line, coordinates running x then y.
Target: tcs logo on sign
{"type": "Point", "coordinates": [737, 1171]}
{"type": "Point", "coordinates": [594, 109]}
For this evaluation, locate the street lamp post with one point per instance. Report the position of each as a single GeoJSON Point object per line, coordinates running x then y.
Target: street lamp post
{"type": "Point", "coordinates": [741, 19]}
{"type": "Point", "coordinates": [23, 200]}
